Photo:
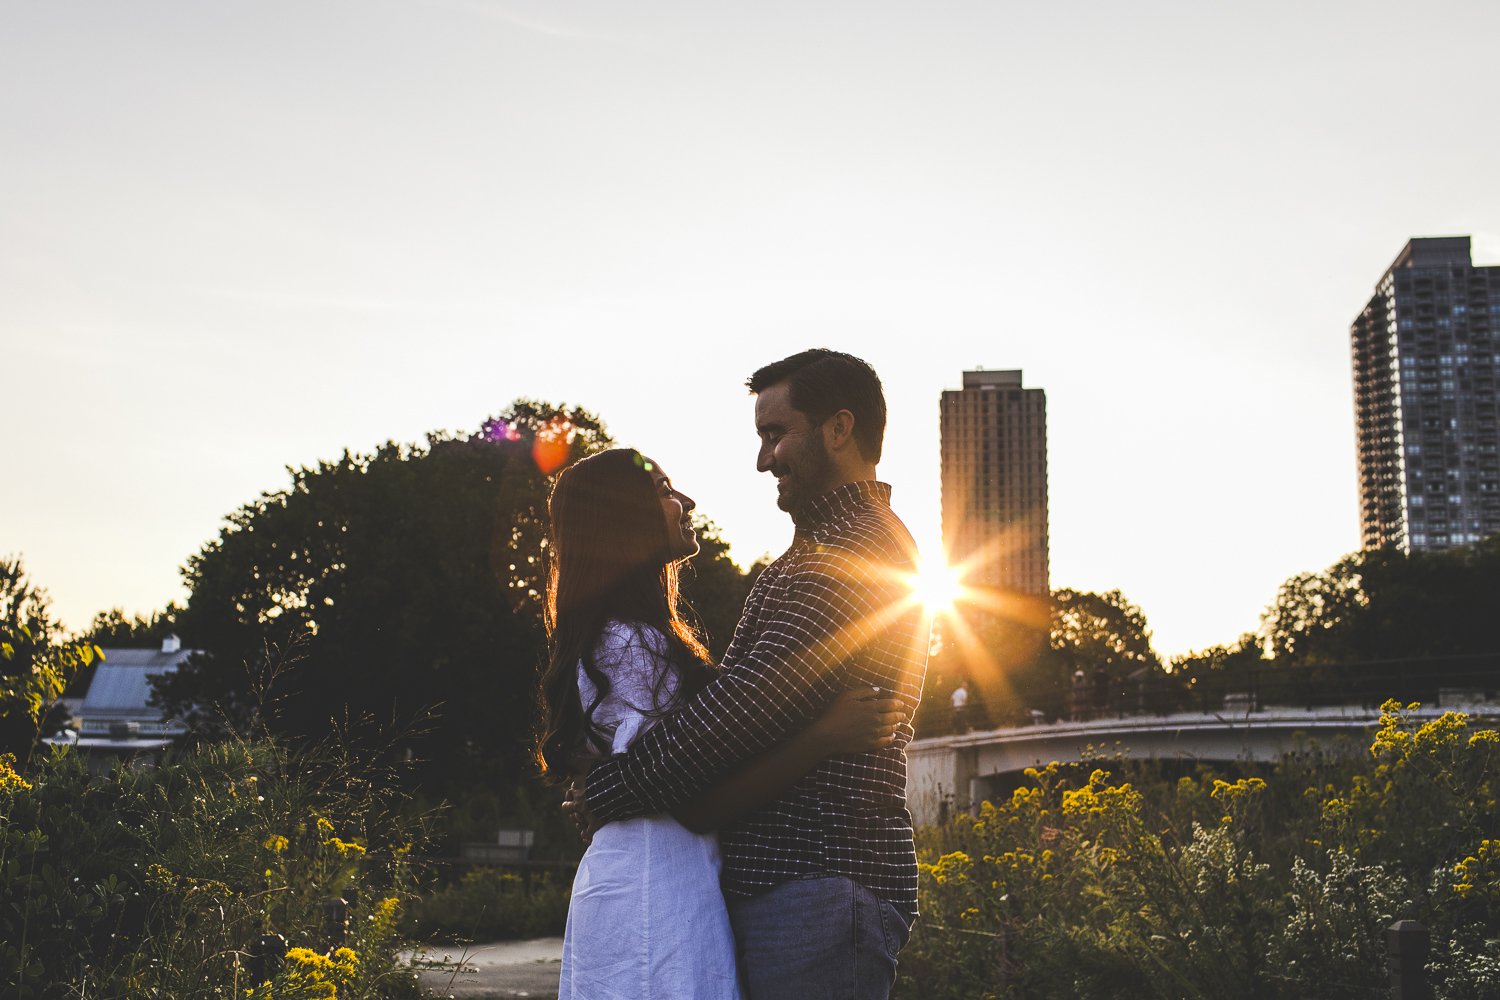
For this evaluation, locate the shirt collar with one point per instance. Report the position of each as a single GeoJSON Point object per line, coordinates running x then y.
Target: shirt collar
{"type": "Point", "coordinates": [840, 500]}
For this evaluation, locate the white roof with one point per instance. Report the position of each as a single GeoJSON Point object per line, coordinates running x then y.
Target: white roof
{"type": "Point", "coordinates": [121, 686]}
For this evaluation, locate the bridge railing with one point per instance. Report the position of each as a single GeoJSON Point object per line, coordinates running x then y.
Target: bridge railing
{"type": "Point", "coordinates": [1445, 681]}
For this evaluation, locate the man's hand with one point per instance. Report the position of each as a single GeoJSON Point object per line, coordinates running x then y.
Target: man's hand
{"type": "Point", "coordinates": [577, 808]}
{"type": "Point", "coordinates": [858, 720]}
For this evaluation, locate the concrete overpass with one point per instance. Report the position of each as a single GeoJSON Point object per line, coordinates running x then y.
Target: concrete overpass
{"type": "Point", "coordinates": [955, 771]}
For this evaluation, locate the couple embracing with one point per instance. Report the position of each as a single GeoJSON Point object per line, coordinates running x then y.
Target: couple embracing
{"type": "Point", "coordinates": [750, 838]}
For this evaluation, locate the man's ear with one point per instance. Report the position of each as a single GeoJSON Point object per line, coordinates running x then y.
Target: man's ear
{"type": "Point", "coordinates": [838, 430]}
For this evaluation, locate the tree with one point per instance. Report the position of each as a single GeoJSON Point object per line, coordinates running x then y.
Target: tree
{"type": "Point", "coordinates": [1003, 661]}
{"type": "Point", "coordinates": [1385, 623]}
{"type": "Point", "coordinates": [1428, 604]}
{"type": "Point", "coordinates": [1017, 655]}
{"type": "Point", "coordinates": [1102, 632]}
{"type": "Point", "coordinates": [35, 662]}
{"type": "Point", "coordinates": [112, 630]}
{"type": "Point", "coordinates": [715, 587]}
{"type": "Point", "coordinates": [1201, 679]}
{"type": "Point", "coordinates": [1311, 616]}
{"type": "Point", "coordinates": [395, 598]}
{"type": "Point", "coordinates": [1387, 604]}
{"type": "Point", "coordinates": [394, 595]}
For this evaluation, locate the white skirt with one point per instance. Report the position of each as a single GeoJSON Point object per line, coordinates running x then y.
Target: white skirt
{"type": "Point", "coordinates": [648, 920]}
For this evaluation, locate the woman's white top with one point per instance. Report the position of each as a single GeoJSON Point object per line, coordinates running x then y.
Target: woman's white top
{"type": "Point", "coordinates": [647, 920]}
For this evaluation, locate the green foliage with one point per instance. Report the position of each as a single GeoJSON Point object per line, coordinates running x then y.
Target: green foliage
{"type": "Point", "coordinates": [1384, 621]}
{"type": "Point", "coordinates": [398, 595]}
{"type": "Point", "coordinates": [715, 587]}
{"type": "Point", "coordinates": [488, 904]}
{"type": "Point", "coordinates": [1025, 659]}
{"type": "Point", "coordinates": [1312, 611]}
{"type": "Point", "coordinates": [475, 815]}
{"type": "Point", "coordinates": [408, 582]}
{"type": "Point", "coordinates": [1105, 631]}
{"type": "Point", "coordinates": [1201, 680]}
{"type": "Point", "coordinates": [112, 630]}
{"type": "Point", "coordinates": [1005, 664]}
{"type": "Point", "coordinates": [1135, 885]}
{"type": "Point", "coordinates": [1387, 604]}
{"type": "Point", "coordinates": [35, 663]}
{"type": "Point", "coordinates": [156, 882]}
{"type": "Point", "coordinates": [1435, 768]}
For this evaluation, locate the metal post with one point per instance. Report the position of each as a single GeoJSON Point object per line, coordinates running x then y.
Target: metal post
{"type": "Point", "coordinates": [1406, 944]}
{"type": "Point", "coordinates": [266, 954]}
{"type": "Point", "coordinates": [336, 921]}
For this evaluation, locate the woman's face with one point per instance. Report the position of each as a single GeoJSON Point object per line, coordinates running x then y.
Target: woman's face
{"type": "Point", "coordinates": [682, 540]}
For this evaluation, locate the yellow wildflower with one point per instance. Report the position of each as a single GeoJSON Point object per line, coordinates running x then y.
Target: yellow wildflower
{"type": "Point", "coordinates": [383, 916]}
{"type": "Point", "coordinates": [346, 848]}
{"type": "Point", "coordinates": [1479, 873]}
{"type": "Point", "coordinates": [10, 780]}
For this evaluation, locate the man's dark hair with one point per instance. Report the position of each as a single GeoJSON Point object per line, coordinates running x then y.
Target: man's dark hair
{"type": "Point", "coordinates": [823, 382]}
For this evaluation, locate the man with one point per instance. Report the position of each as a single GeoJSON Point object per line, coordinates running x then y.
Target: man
{"type": "Point", "coordinates": [961, 709]}
{"type": "Point", "coordinates": [822, 883]}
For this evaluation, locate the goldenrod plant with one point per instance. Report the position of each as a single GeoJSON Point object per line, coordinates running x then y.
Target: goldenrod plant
{"type": "Point", "coordinates": [169, 881]}
{"type": "Point", "coordinates": [1115, 879]}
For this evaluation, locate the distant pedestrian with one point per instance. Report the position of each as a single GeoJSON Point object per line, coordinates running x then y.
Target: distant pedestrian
{"type": "Point", "coordinates": [961, 709]}
{"type": "Point", "coordinates": [1101, 691]}
{"type": "Point", "coordinates": [1079, 703]}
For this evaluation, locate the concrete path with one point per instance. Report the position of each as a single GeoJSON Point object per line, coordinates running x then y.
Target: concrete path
{"type": "Point", "coordinates": [483, 971]}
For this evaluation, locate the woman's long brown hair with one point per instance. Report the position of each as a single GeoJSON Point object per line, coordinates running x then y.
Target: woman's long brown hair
{"type": "Point", "coordinates": [609, 558]}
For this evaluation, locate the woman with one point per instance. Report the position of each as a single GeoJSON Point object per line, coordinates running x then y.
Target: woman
{"type": "Point", "coordinates": [647, 918]}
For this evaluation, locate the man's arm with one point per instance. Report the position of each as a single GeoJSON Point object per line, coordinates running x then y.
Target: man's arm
{"type": "Point", "coordinates": [834, 605]}
{"type": "Point", "coordinates": [860, 719]}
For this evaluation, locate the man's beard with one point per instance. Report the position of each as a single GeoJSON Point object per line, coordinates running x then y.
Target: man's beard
{"type": "Point", "coordinates": [811, 471]}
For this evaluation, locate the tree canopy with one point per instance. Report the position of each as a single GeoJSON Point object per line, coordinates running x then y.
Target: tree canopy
{"type": "Point", "coordinates": [395, 598]}
{"type": "Point", "coordinates": [1024, 662]}
{"type": "Point", "coordinates": [1387, 604]}
{"type": "Point", "coordinates": [36, 662]}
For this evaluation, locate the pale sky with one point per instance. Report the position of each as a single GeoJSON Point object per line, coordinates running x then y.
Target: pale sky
{"type": "Point", "coordinates": [239, 236]}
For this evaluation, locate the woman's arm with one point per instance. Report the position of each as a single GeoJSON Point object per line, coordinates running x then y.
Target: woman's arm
{"type": "Point", "coordinates": [855, 721]}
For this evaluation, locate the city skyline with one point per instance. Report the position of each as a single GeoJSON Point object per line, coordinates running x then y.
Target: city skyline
{"type": "Point", "coordinates": [249, 237]}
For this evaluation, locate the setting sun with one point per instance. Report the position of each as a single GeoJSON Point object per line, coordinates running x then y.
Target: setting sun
{"type": "Point", "coordinates": [938, 586]}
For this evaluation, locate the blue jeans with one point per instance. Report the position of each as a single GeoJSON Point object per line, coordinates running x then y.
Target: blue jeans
{"type": "Point", "coordinates": [822, 938]}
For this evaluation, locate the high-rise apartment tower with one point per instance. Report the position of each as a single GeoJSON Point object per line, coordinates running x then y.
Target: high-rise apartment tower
{"type": "Point", "coordinates": [994, 454]}
{"type": "Point", "coordinates": [1426, 363]}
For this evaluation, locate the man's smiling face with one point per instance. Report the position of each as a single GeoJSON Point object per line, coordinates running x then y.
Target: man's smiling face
{"type": "Point", "coordinates": [791, 449]}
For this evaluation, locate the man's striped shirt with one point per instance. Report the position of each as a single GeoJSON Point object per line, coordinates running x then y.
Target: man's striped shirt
{"type": "Point", "coordinates": [837, 610]}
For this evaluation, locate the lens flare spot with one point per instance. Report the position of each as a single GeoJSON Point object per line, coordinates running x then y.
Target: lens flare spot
{"type": "Point", "coordinates": [501, 430]}
{"type": "Point", "coordinates": [553, 444]}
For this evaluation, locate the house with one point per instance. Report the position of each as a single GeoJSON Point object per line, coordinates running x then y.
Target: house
{"type": "Point", "coordinates": [114, 721]}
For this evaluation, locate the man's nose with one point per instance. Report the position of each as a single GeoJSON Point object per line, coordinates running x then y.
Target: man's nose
{"type": "Point", "coordinates": [763, 460]}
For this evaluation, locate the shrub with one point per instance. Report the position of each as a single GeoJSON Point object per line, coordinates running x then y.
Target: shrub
{"type": "Point", "coordinates": [159, 882]}
{"type": "Point", "coordinates": [490, 904]}
{"type": "Point", "coordinates": [1124, 883]}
